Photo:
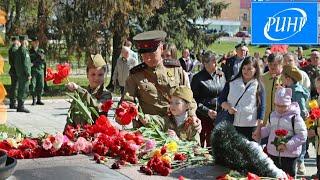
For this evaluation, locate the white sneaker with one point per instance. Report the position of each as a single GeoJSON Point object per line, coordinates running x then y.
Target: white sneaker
{"type": "Point", "coordinates": [301, 169]}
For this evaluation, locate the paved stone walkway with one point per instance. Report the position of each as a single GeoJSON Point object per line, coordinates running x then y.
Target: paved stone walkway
{"type": "Point", "coordinates": [51, 118]}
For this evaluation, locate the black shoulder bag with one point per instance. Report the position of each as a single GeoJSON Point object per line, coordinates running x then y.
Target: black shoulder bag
{"type": "Point", "coordinates": [224, 115]}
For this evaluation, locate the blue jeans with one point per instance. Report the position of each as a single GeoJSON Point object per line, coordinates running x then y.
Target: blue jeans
{"type": "Point", "coordinates": [303, 152]}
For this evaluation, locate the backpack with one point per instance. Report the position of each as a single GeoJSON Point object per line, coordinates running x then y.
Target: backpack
{"type": "Point", "coordinates": [293, 118]}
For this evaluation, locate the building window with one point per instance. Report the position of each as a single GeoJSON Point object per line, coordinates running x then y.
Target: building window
{"type": "Point", "coordinates": [245, 17]}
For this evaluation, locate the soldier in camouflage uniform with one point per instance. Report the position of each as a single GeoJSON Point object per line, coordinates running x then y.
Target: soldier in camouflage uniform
{"type": "Point", "coordinates": [23, 69]}
{"type": "Point", "coordinates": [313, 71]}
{"type": "Point", "coordinates": [177, 123]}
{"type": "Point", "coordinates": [37, 71]}
{"type": "Point", "coordinates": [95, 94]}
{"type": "Point", "coordinates": [151, 81]}
{"type": "Point", "coordinates": [12, 72]}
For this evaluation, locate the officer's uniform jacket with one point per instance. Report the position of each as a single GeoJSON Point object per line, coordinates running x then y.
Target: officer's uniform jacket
{"type": "Point", "coordinates": [152, 86]}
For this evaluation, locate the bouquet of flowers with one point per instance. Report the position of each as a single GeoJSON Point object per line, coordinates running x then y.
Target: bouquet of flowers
{"type": "Point", "coordinates": [314, 115]}
{"type": "Point", "coordinates": [63, 71]}
{"type": "Point", "coordinates": [280, 139]}
{"type": "Point", "coordinates": [161, 153]}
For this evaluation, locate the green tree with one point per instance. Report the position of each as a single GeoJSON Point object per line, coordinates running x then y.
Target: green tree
{"type": "Point", "coordinates": [178, 19]}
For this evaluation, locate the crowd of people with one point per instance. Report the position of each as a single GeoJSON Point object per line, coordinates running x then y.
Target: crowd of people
{"type": "Point", "coordinates": [188, 96]}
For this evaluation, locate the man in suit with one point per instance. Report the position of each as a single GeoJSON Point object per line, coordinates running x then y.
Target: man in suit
{"type": "Point", "coordinates": [233, 64]}
{"type": "Point", "coordinates": [186, 62]}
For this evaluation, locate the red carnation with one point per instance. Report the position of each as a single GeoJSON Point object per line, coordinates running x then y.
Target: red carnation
{"type": "Point", "coordinates": [126, 112]}
{"type": "Point", "coordinates": [28, 154]}
{"type": "Point", "coordinates": [303, 63]}
{"type": "Point", "coordinates": [63, 70]}
{"type": "Point", "coordinates": [28, 143]}
{"type": "Point", "coordinates": [163, 150]}
{"type": "Point", "coordinates": [69, 132]}
{"type": "Point", "coordinates": [106, 105]}
{"type": "Point", "coordinates": [163, 171]}
{"type": "Point", "coordinates": [315, 113]}
{"type": "Point", "coordinates": [57, 79]}
{"type": "Point", "coordinates": [15, 153]}
{"type": "Point", "coordinates": [281, 132]}
{"type": "Point", "coordinates": [252, 176]}
{"type": "Point", "coordinates": [49, 74]}
{"type": "Point", "coordinates": [222, 177]}
{"type": "Point", "coordinates": [66, 150]}
{"type": "Point", "coordinates": [5, 145]}
{"type": "Point", "coordinates": [148, 171]}
{"type": "Point", "coordinates": [180, 157]}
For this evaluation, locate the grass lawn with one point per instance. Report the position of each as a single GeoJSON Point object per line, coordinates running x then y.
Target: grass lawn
{"type": "Point", "coordinates": [4, 51]}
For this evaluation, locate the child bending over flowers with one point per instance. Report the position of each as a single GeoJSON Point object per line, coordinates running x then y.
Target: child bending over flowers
{"type": "Point", "coordinates": [287, 117]}
{"type": "Point", "coordinates": [177, 123]}
{"type": "Point", "coordinates": [95, 94]}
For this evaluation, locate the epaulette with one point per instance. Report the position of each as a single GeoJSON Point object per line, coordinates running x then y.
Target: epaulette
{"type": "Point", "coordinates": [138, 68]}
{"type": "Point", "coordinates": [171, 63]}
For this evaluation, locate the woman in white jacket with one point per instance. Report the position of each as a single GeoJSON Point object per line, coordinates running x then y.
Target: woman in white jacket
{"type": "Point", "coordinates": [244, 97]}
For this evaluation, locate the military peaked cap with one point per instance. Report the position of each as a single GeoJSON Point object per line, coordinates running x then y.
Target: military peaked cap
{"type": "Point", "coordinates": [149, 41]}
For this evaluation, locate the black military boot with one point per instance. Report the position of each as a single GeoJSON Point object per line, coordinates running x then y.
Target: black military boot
{"type": "Point", "coordinates": [13, 104]}
{"type": "Point", "coordinates": [21, 108]}
{"type": "Point", "coordinates": [33, 100]}
{"type": "Point", "coordinates": [39, 102]}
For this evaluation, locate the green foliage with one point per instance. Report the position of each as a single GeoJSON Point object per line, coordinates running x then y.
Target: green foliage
{"type": "Point", "coordinates": [177, 19]}
{"type": "Point", "coordinates": [218, 7]}
{"type": "Point", "coordinates": [231, 150]}
{"type": "Point", "coordinates": [9, 131]}
{"type": "Point", "coordinates": [80, 107]}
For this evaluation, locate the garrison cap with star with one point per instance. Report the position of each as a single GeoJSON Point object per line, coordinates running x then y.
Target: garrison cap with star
{"type": "Point", "coordinates": [96, 61]}
{"type": "Point", "coordinates": [24, 37]}
{"type": "Point", "coordinates": [292, 72]}
{"type": "Point", "coordinates": [183, 92]}
{"type": "Point", "coordinates": [149, 41]}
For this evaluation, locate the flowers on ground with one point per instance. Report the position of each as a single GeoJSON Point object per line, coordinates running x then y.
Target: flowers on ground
{"type": "Point", "coordinates": [159, 152]}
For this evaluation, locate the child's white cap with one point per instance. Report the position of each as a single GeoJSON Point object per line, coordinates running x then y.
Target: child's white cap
{"type": "Point", "coordinates": [283, 96]}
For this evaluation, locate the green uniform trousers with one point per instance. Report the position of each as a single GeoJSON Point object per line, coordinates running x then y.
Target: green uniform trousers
{"type": "Point", "coordinates": [23, 88]}
{"type": "Point", "coordinates": [13, 88]}
{"type": "Point", "coordinates": [37, 81]}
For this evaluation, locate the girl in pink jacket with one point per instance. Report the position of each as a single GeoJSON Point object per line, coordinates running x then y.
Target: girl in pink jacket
{"type": "Point", "coordinates": [286, 116]}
